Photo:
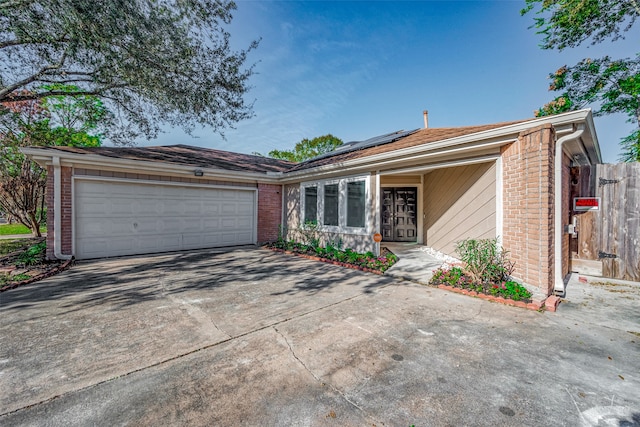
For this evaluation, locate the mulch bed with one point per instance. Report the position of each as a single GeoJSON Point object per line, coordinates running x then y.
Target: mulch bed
{"type": "Point", "coordinates": [10, 265]}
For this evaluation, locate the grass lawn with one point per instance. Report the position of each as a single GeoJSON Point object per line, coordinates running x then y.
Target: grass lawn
{"type": "Point", "coordinates": [8, 229]}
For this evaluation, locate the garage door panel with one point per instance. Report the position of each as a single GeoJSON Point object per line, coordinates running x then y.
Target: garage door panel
{"type": "Point", "coordinates": [118, 218]}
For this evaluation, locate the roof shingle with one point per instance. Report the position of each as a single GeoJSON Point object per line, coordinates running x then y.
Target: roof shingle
{"type": "Point", "coordinates": [422, 136]}
{"type": "Point", "coordinates": [188, 155]}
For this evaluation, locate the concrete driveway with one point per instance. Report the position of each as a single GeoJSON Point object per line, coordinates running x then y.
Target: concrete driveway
{"type": "Point", "coordinates": [251, 337]}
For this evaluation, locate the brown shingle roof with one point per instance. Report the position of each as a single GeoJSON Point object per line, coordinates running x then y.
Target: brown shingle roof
{"type": "Point", "coordinates": [422, 136]}
{"type": "Point", "coordinates": [188, 155]}
{"type": "Point", "coordinates": [226, 160]}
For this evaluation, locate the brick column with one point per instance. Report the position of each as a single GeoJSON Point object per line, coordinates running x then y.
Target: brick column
{"type": "Point", "coordinates": [67, 214]}
{"type": "Point", "coordinates": [269, 212]}
{"type": "Point", "coordinates": [528, 206]}
{"type": "Point", "coordinates": [66, 232]}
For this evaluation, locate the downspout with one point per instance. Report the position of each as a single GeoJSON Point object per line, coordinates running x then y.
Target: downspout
{"type": "Point", "coordinates": [57, 211]}
{"type": "Point", "coordinates": [558, 287]}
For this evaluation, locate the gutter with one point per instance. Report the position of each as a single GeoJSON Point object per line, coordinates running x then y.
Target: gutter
{"type": "Point", "coordinates": [57, 211]}
{"type": "Point", "coordinates": [559, 287]}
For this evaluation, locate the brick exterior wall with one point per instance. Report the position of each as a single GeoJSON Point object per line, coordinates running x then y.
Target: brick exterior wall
{"type": "Point", "coordinates": [528, 206]}
{"type": "Point", "coordinates": [269, 212]}
{"type": "Point", "coordinates": [66, 212]}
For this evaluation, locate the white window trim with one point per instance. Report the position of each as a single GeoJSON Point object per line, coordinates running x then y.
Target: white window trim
{"type": "Point", "coordinates": [342, 227]}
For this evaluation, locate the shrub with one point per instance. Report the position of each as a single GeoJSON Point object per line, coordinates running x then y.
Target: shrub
{"type": "Point", "coordinates": [486, 270]}
{"type": "Point", "coordinates": [331, 252]}
{"type": "Point", "coordinates": [485, 261]}
{"type": "Point", "coordinates": [33, 255]}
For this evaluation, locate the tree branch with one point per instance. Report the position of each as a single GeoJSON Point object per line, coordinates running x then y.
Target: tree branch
{"type": "Point", "coordinates": [16, 42]}
{"type": "Point", "coordinates": [6, 91]}
{"type": "Point", "coordinates": [40, 95]}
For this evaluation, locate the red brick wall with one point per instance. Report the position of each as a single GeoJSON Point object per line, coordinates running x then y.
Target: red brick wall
{"type": "Point", "coordinates": [528, 206]}
{"type": "Point", "coordinates": [66, 212]}
{"type": "Point", "coordinates": [269, 211]}
{"type": "Point", "coordinates": [67, 215]}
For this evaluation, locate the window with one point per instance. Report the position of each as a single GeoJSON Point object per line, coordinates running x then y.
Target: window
{"type": "Point", "coordinates": [355, 204]}
{"type": "Point", "coordinates": [331, 199]}
{"type": "Point", "coordinates": [311, 204]}
{"type": "Point", "coordinates": [337, 205]}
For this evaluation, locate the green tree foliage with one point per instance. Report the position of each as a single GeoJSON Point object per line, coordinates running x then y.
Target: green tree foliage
{"type": "Point", "coordinates": [611, 85]}
{"type": "Point", "coordinates": [57, 120]}
{"type": "Point", "coordinates": [308, 148]}
{"type": "Point", "coordinates": [568, 23]}
{"type": "Point", "coordinates": [151, 62]}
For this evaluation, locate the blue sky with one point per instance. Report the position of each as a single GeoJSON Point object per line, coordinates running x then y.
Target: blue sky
{"type": "Point", "coordinates": [361, 69]}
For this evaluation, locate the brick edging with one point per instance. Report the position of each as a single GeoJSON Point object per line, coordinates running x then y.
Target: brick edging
{"type": "Point", "coordinates": [44, 275]}
{"type": "Point", "coordinates": [549, 303]}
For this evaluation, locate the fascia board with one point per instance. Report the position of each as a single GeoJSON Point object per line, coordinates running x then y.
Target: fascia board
{"type": "Point", "coordinates": [44, 157]}
{"type": "Point", "coordinates": [474, 140]}
{"type": "Point", "coordinates": [388, 162]}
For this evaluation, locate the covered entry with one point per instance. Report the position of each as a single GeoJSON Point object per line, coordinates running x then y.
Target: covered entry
{"type": "Point", "coordinates": [439, 205]}
{"type": "Point", "coordinates": [114, 218]}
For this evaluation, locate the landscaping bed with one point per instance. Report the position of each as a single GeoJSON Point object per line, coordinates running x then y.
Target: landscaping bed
{"type": "Point", "coordinates": [22, 261]}
{"type": "Point", "coordinates": [484, 272]}
{"type": "Point", "coordinates": [344, 258]}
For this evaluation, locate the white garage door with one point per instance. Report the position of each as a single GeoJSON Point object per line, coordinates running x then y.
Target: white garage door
{"type": "Point", "coordinates": [120, 218]}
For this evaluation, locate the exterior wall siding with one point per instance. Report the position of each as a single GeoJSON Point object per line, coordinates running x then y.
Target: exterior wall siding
{"type": "Point", "coordinates": [269, 212]}
{"type": "Point", "coordinates": [400, 180]}
{"type": "Point", "coordinates": [528, 181]}
{"type": "Point", "coordinates": [459, 203]}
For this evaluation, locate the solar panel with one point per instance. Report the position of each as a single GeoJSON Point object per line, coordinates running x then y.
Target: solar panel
{"type": "Point", "coordinates": [371, 142]}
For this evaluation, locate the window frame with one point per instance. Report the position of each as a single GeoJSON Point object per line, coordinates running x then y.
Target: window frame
{"type": "Point", "coordinates": [303, 204]}
{"type": "Point", "coordinates": [342, 226]}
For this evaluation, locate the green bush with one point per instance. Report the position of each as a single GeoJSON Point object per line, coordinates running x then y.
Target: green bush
{"type": "Point", "coordinates": [486, 270]}
{"type": "Point", "coordinates": [333, 253]}
{"type": "Point", "coordinates": [485, 261]}
{"type": "Point", "coordinates": [34, 255]}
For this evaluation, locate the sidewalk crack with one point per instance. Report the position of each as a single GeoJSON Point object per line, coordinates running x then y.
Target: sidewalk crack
{"type": "Point", "coordinates": [335, 389]}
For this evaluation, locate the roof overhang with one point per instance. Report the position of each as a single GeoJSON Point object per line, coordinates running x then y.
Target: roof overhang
{"type": "Point", "coordinates": [475, 145]}
{"type": "Point", "coordinates": [478, 145]}
{"type": "Point", "coordinates": [44, 157]}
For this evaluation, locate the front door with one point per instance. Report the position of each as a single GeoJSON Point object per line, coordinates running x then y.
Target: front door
{"type": "Point", "coordinates": [399, 220]}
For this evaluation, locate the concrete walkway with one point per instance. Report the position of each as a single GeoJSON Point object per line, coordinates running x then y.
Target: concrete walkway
{"type": "Point", "coordinates": [417, 265]}
{"type": "Point", "coordinates": [414, 264]}
{"type": "Point", "coordinates": [19, 236]}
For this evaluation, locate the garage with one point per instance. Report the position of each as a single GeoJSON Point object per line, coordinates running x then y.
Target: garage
{"type": "Point", "coordinates": [115, 218]}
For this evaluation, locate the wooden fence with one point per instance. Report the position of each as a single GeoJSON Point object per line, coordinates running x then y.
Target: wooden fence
{"type": "Point", "coordinates": [608, 240]}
